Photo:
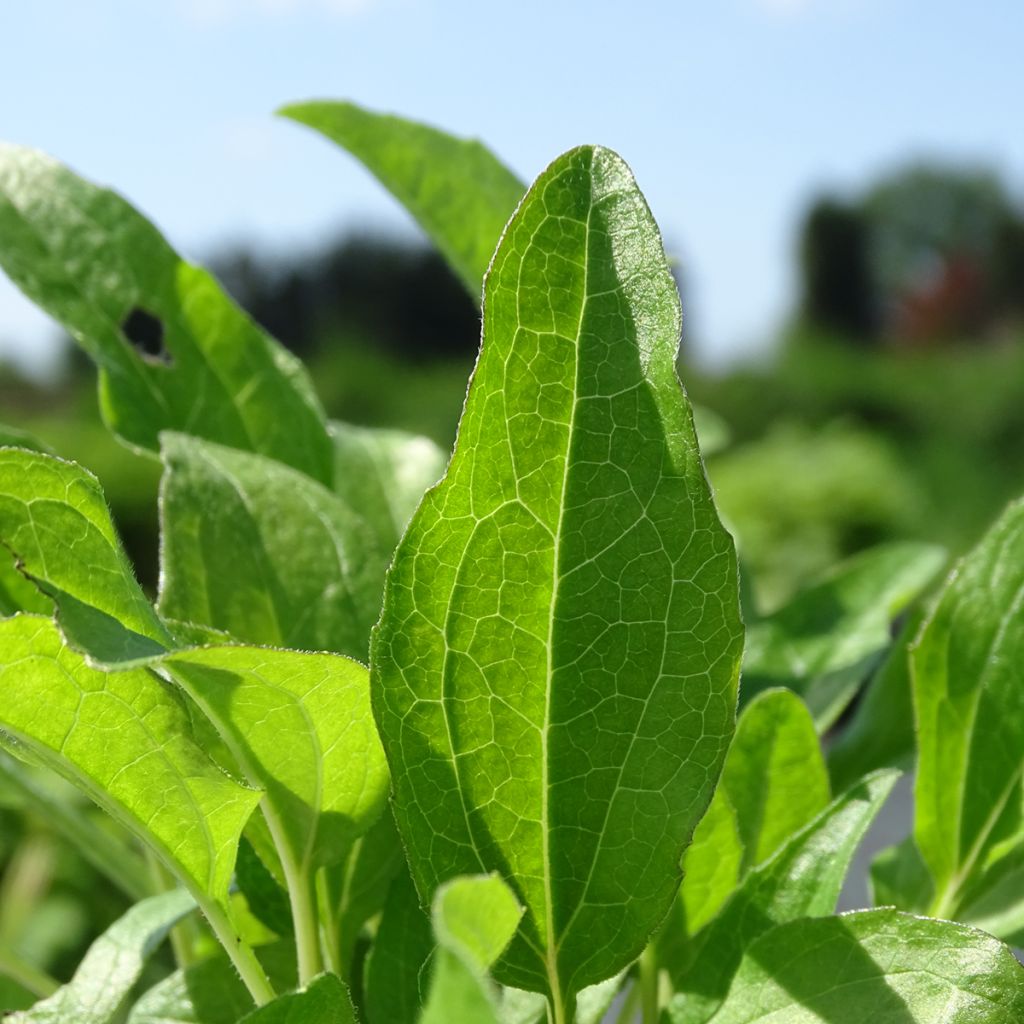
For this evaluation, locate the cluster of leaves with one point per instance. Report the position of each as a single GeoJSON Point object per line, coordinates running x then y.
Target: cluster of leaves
{"type": "Point", "coordinates": [554, 640]}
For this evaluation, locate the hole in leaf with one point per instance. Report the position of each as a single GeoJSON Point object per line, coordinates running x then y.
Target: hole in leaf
{"type": "Point", "coordinates": [145, 333]}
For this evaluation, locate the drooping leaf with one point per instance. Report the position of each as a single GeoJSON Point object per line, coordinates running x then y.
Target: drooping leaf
{"type": "Point", "coordinates": [555, 668]}
{"type": "Point", "coordinates": [174, 352]}
{"type": "Point", "coordinates": [969, 704]}
{"type": "Point", "coordinates": [383, 474]}
{"type": "Point", "coordinates": [826, 640]}
{"type": "Point", "coordinates": [878, 966]}
{"type": "Point", "coordinates": [880, 733]}
{"type": "Point", "coordinates": [123, 739]}
{"type": "Point", "coordinates": [803, 879]}
{"type": "Point", "coordinates": [264, 553]}
{"type": "Point", "coordinates": [54, 518]}
{"type": "Point", "coordinates": [457, 190]}
{"type": "Point", "coordinates": [324, 1001]}
{"type": "Point", "coordinates": [300, 727]}
{"type": "Point", "coordinates": [474, 919]}
{"type": "Point", "coordinates": [773, 783]}
{"type": "Point", "coordinates": [398, 969]}
{"type": "Point", "coordinates": [112, 966]}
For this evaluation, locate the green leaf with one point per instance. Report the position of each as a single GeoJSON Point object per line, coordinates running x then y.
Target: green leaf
{"type": "Point", "coordinates": [474, 919]}
{"type": "Point", "coordinates": [110, 969]}
{"type": "Point", "coordinates": [774, 782]}
{"type": "Point", "coordinates": [880, 733]}
{"type": "Point", "coordinates": [123, 738]}
{"type": "Point", "coordinates": [94, 263]}
{"type": "Point", "coordinates": [264, 553]}
{"type": "Point", "coordinates": [459, 192]}
{"type": "Point", "coordinates": [54, 518]}
{"type": "Point", "coordinates": [824, 642]}
{"type": "Point", "coordinates": [13, 437]}
{"type": "Point", "coordinates": [995, 903]}
{"type": "Point", "coordinates": [803, 879]}
{"type": "Point", "coordinates": [398, 969]}
{"type": "Point", "coordinates": [382, 474]}
{"type": "Point", "coordinates": [878, 966]}
{"type": "Point", "coordinates": [555, 668]}
{"type": "Point", "coordinates": [266, 898]}
{"type": "Point", "coordinates": [300, 727]}
{"type": "Point", "coordinates": [17, 592]}
{"type": "Point", "coordinates": [970, 714]}
{"type": "Point", "coordinates": [324, 1001]}
{"type": "Point", "coordinates": [900, 879]}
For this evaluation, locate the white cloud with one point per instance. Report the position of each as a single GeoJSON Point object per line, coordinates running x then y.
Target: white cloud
{"type": "Point", "coordinates": [217, 12]}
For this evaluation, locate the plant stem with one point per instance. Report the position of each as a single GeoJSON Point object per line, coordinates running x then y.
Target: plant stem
{"type": "Point", "coordinates": [302, 894]}
{"type": "Point", "coordinates": [37, 981]}
{"type": "Point", "coordinates": [648, 984]}
{"type": "Point", "coordinates": [627, 1012]}
{"type": "Point", "coordinates": [240, 953]}
{"type": "Point", "coordinates": [184, 933]}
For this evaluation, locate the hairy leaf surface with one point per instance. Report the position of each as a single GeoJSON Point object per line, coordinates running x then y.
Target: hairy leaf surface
{"type": "Point", "coordinates": [174, 352]}
{"type": "Point", "coordinates": [460, 193]}
{"type": "Point", "coordinates": [555, 669]}
{"type": "Point", "coordinates": [966, 670]}
{"type": "Point", "coordinates": [124, 739]}
{"type": "Point", "coordinates": [826, 640]}
{"type": "Point", "coordinates": [875, 965]}
{"type": "Point", "coordinates": [54, 518]}
{"type": "Point", "coordinates": [112, 966]}
{"type": "Point", "coordinates": [264, 553]}
{"type": "Point", "coordinates": [803, 879]}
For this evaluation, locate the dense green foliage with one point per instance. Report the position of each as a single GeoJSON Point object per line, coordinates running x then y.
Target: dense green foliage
{"type": "Point", "coordinates": [537, 650]}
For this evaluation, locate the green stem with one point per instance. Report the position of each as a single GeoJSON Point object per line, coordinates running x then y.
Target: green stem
{"type": "Point", "coordinates": [330, 930]}
{"type": "Point", "coordinates": [184, 934]}
{"type": "Point", "coordinates": [627, 1012]}
{"type": "Point", "coordinates": [240, 953]}
{"type": "Point", "coordinates": [37, 981]}
{"type": "Point", "coordinates": [647, 983]}
{"type": "Point", "coordinates": [302, 894]}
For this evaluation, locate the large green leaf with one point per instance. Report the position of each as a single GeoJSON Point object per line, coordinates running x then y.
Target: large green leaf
{"type": "Point", "coordinates": [124, 739]}
{"type": "Point", "coordinates": [174, 352]}
{"type": "Point", "coordinates": [826, 640]}
{"type": "Point", "coordinates": [110, 969]}
{"type": "Point", "coordinates": [970, 715]}
{"type": "Point", "coordinates": [555, 668]}
{"type": "Point", "coordinates": [54, 518]}
{"type": "Point", "coordinates": [875, 965]}
{"type": "Point", "coordinates": [264, 553]}
{"type": "Point", "coordinates": [324, 1001]}
{"type": "Point", "coordinates": [460, 193]}
{"type": "Point", "coordinates": [382, 475]}
{"type": "Point", "coordinates": [803, 879]}
{"type": "Point", "coordinates": [474, 919]}
{"type": "Point", "coordinates": [774, 782]}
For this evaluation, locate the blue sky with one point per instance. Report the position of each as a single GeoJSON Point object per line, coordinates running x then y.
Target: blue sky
{"type": "Point", "coordinates": [731, 113]}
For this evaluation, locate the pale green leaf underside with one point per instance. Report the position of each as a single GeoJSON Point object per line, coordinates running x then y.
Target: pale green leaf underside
{"type": "Point", "coordinates": [112, 966]}
{"type": "Point", "coordinates": [54, 518]}
{"type": "Point", "coordinates": [123, 738]}
{"type": "Point", "coordinates": [555, 668]}
{"type": "Point", "coordinates": [264, 553]}
{"type": "Point", "coordinates": [773, 783]}
{"type": "Point", "coordinates": [966, 672]}
{"type": "Point", "coordinates": [300, 727]}
{"type": "Point", "coordinates": [324, 1001]}
{"type": "Point", "coordinates": [209, 992]}
{"type": "Point", "coordinates": [803, 879]}
{"type": "Point", "coordinates": [879, 966]}
{"type": "Point", "coordinates": [457, 190]}
{"type": "Point", "coordinates": [823, 643]}
{"type": "Point", "coordinates": [89, 259]}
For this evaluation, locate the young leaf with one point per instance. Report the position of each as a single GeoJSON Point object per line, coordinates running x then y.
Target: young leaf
{"type": "Point", "coordinates": [300, 727]}
{"type": "Point", "coordinates": [54, 518]}
{"type": "Point", "coordinates": [874, 965]}
{"type": "Point", "coordinates": [264, 553]}
{"type": "Point", "coordinates": [324, 1001]}
{"type": "Point", "coordinates": [824, 642]}
{"type": "Point", "coordinates": [123, 738]}
{"type": "Point", "coordinates": [382, 475]}
{"type": "Point", "coordinates": [970, 713]}
{"type": "Point", "coordinates": [474, 920]}
{"type": "Point", "coordinates": [773, 783]}
{"type": "Point", "coordinates": [110, 969]}
{"type": "Point", "coordinates": [174, 352]}
{"type": "Point", "coordinates": [460, 193]}
{"type": "Point", "coordinates": [803, 879]}
{"type": "Point", "coordinates": [556, 664]}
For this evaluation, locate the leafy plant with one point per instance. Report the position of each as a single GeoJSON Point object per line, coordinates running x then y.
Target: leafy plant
{"type": "Point", "coordinates": [553, 632]}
